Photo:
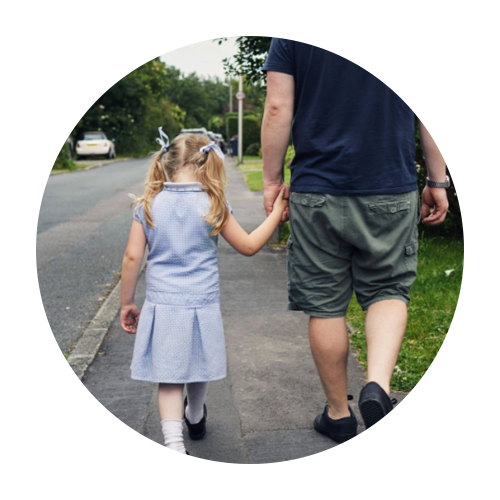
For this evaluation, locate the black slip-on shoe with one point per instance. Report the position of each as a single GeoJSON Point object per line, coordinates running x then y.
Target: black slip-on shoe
{"type": "Point", "coordinates": [196, 431]}
{"type": "Point", "coordinates": [177, 458]}
{"type": "Point", "coordinates": [340, 430]}
{"type": "Point", "coordinates": [383, 443]}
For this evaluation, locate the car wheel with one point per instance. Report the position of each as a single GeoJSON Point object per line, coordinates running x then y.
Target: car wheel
{"type": "Point", "coordinates": [110, 154]}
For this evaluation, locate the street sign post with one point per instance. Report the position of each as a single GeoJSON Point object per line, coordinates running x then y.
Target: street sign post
{"type": "Point", "coordinates": [240, 96]}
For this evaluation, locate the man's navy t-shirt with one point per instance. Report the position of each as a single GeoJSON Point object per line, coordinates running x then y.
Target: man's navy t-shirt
{"type": "Point", "coordinates": [352, 134]}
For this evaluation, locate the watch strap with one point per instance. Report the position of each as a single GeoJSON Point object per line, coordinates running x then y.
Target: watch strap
{"type": "Point", "coordinates": [435, 184]}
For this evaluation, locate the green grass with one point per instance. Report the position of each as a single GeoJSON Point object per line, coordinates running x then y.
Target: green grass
{"type": "Point", "coordinates": [80, 166]}
{"type": "Point", "coordinates": [252, 171]}
{"type": "Point", "coordinates": [77, 167]}
{"type": "Point", "coordinates": [57, 362]}
{"type": "Point", "coordinates": [251, 159]}
{"type": "Point", "coordinates": [254, 179]}
{"type": "Point", "coordinates": [434, 297]}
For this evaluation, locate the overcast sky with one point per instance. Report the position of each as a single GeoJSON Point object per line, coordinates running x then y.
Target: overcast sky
{"type": "Point", "coordinates": [205, 58]}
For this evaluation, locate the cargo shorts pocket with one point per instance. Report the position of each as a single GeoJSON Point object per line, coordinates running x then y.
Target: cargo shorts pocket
{"type": "Point", "coordinates": [307, 199]}
{"type": "Point", "coordinates": [391, 207]}
{"type": "Point", "coordinates": [411, 251]}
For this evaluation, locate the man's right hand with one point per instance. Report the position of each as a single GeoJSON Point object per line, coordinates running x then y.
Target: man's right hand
{"type": "Point", "coordinates": [271, 192]}
{"type": "Point", "coordinates": [438, 200]}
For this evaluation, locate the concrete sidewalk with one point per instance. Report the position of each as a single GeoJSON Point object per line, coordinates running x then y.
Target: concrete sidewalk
{"type": "Point", "coordinates": [263, 411]}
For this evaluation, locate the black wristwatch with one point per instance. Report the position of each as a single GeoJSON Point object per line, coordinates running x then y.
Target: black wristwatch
{"type": "Point", "coordinates": [434, 184]}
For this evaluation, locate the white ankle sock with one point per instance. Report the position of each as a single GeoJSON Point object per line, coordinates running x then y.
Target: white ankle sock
{"type": "Point", "coordinates": [196, 395]}
{"type": "Point", "coordinates": [172, 434]}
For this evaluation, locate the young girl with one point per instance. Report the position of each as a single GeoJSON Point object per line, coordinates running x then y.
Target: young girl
{"type": "Point", "coordinates": [180, 339]}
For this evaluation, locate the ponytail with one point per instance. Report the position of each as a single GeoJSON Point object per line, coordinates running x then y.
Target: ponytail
{"type": "Point", "coordinates": [153, 185]}
{"type": "Point", "coordinates": [212, 175]}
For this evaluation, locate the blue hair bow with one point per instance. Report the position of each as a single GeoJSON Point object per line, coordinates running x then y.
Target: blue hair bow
{"type": "Point", "coordinates": [214, 147]}
{"type": "Point", "coordinates": [160, 140]}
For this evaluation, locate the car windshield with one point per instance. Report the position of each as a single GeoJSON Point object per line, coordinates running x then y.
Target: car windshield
{"type": "Point", "coordinates": [94, 136]}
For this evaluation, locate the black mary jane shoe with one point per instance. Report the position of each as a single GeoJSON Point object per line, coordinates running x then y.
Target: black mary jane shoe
{"type": "Point", "coordinates": [198, 430]}
{"type": "Point", "coordinates": [177, 458]}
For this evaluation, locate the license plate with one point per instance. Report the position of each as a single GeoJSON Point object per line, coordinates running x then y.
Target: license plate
{"type": "Point", "coordinates": [92, 144]}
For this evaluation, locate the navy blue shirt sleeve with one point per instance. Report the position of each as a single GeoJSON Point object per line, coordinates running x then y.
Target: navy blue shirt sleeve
{"type": "Point", "coordinates": [279, 58]}
{"type": "Point", "coordinates": [427, 50]}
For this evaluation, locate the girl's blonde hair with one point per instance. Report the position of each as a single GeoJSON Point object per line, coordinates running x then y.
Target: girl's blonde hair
{"type": "Point", "coordinates": [184, 152]}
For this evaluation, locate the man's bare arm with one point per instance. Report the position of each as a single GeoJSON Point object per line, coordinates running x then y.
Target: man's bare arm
{"type": "Point", "coordinates": [276, 130]}
{"type": "Point", "coordinates": [434, 134]}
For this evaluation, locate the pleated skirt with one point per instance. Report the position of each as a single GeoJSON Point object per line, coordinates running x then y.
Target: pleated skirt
{"type": "Point", "coordinates": [179, 342]}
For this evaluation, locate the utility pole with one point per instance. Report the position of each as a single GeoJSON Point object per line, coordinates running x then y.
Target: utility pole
{"type": "Point", "coordinates": [240, 96]}
{"type": "Point", "coordinates": [40, 93]}
{"type": "Point", "coordinates": [230, 96]}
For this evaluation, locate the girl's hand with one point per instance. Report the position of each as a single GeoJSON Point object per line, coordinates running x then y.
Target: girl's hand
{"type": "Point", "coordinates": [280, 204]}
{"type": "Point", "coordinates": [129, 318]}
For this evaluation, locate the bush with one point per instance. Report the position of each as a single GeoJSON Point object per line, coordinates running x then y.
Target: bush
{"type": "Point", "coordinates": [231, 125]}
{"type": "Point", "coordinates": [251, 131]}
{"type": "Point", "coordinates": [60, 122]}
{"type": "Point", "coordinates": [54, 164]}
{"type": "Point", "coordinates": [251, 128]}
{"type": "Point", "coordinates": [253, 149]}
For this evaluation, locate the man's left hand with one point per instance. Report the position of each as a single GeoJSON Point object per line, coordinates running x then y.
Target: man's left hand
{"type": "Point", "coordinates": [438, 200]}
{"type": "Point", "coordinates": [271, 192]}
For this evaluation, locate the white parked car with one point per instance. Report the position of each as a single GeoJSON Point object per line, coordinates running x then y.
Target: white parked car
{"type": "Point", "coordinates": [201, 131]}
{"type": "Point", "coordinates": [94, 144]}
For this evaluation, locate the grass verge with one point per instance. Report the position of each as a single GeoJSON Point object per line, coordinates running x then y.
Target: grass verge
{"type": "Point", "coordinates": [434, 297]}
{"type": "Point", "coordinates": [251, 169]}
{"type": "Point", "coordinates": [78, 166]}
{"type": "Point", "coordinates": [83, 166]}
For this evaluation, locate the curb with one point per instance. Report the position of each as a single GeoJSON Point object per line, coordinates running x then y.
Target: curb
{"type": "Point", "coordinates": [48, 174]}
{"type": "Point", "coordinates": [90, 167]}
{"type": "Point", "coordinates": [55, 406]}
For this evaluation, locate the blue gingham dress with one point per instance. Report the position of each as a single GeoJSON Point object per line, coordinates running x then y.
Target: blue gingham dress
{"type": "Point", "coordinates": [180, 337]}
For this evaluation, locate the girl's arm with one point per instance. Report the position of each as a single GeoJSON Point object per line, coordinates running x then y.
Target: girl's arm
{"type": "Point", "coordinates": [131, 268]}
{"type": "Point", "coordinates": [250, 244]}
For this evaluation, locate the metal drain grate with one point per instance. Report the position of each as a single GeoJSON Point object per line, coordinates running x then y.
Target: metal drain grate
{"type": "Point", "coordinates": [42, 376]}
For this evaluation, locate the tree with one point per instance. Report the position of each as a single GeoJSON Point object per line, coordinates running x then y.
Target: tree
{"type": "Point", "coordinates": [251, 56]}
{"type": "Point", "coordinates": [132, 109]}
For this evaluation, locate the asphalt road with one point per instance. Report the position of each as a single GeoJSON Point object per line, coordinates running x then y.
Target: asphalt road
{"type": "Point", "coordinates": [81, 236]}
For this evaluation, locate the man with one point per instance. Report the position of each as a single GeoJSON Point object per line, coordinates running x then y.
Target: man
{"type": "Point", "coordinates": [354, 210]}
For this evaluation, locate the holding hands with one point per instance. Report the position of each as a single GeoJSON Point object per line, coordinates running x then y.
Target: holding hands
{"type": "Point", "coordinates": [276, 198]}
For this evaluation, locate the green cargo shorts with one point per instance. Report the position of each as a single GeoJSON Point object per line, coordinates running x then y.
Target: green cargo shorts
{"type": "Point", "coordinates": [339, 244]}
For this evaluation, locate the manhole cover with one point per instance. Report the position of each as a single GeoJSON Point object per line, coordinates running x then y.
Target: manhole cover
{"type": "Point", "coordinates": [42, 376]}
